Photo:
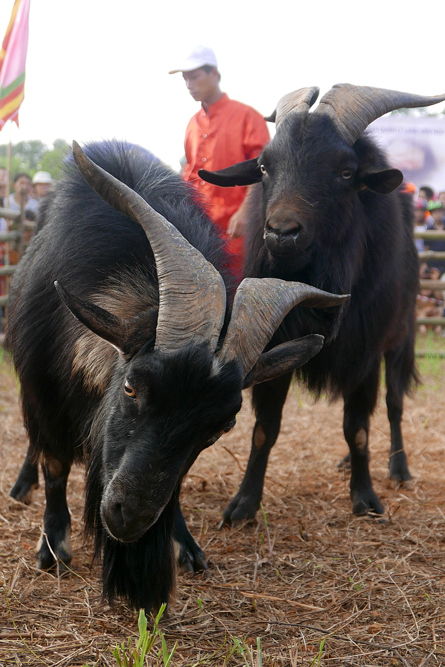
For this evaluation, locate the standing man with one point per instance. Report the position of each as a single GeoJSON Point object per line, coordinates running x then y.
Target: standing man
{"type": "Point", "coordinates": [41, 183]}
{"type": "Point", "coordinates": [220, 134]}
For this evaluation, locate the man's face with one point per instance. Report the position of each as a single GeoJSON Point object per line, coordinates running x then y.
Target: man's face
{"type": "Point", "coordinates": [22, 183]}
{"type": "Point", "coordinates": [437, 215]}
{"type": "Point", "coordinates": [201, 84]}
{"type": "Point", "coordinates": [41, 189]}
{"type": "Point", "coordinates": [419, 216]}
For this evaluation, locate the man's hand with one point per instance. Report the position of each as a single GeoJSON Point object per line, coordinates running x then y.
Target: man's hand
{"type": "Point", "coordinates": [238, 221]}
{"type": "Point", "coordinates": [237, 224]}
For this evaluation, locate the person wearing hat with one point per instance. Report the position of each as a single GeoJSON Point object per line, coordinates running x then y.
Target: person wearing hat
{"type": "Point", "coordinates": [41, 182]}
{"type": "Point", "coordinates": [223, 132]}
{"type": "Point", "coordinates": [436, 211]}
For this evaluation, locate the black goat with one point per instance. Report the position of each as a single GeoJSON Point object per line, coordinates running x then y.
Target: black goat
{"type": "Point", "coordinates": [320, 216]}
{"type": "Point", "coordinates": [152, 370]}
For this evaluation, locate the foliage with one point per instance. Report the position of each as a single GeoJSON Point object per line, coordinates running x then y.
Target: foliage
{"type": "Point", "coordinates": [128, 657]}
{"type": "Point", "coordinates": [32, 156]}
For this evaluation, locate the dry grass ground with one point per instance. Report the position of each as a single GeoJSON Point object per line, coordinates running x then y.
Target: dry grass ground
{"type": "Point", "coordinates": [305, 573]}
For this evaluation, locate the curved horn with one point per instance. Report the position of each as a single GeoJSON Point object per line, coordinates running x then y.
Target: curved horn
{"type": "Point", "coordinates": [192, 295]}
{"type": "Point", "coordinates": [259, 307]}
{"type": "Point", "coordinates": [353, 108]}
{"type": "Point", "coordinates": [299, 100]}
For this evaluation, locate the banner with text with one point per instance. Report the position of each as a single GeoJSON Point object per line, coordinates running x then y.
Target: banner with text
{"type": "Point", "coordinates": [415, 145]}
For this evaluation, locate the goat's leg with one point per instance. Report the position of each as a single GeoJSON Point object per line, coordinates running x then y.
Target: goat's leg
{"type": "Point", "coordinates": [358, 406]}
{"type": "Point", "coordinates": [399, 372]}
{"type": "Point", "coordinates": [55, 543]}
{"type": "Point", "coordinates": [27, 480]}
{"type": "Point", "coordinates": [189, 555]}
{"type": "Point", "coordinates": [268, 400]}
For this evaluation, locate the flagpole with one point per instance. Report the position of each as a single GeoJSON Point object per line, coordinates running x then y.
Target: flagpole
{"type": "Point", "coordinates": [8, 165]}
{"type": "Point", "coordinates": [8, 194]}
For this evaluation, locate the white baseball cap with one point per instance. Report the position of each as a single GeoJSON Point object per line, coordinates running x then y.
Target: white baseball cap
{"type": "Point", "coordinates": [199, 56]}
{"type": "Point", "coordinates": [42, 177]}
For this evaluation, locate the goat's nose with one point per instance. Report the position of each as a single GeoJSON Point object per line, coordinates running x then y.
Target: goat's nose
{"type": "Point", "coordinates": [123, 521]}
{"type": "Point", "coordinates": [283, 222]}
{"type": "Point", "coordinates": [284, 232]}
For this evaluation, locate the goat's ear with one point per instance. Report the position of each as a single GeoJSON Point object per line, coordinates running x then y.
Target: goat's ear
{"type": "Point", "coordinates": [127, 336]}
{"type": "Point", "coordinates": [384, 181]}
{"type": "Point", "coordinates": [243, 173]}
{"type": "Point", "coordinates": [284, 358]}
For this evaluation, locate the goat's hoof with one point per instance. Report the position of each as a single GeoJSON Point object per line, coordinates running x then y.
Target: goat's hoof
{"type": "Point", "coordinates": [345, 463]}
{"type": "Point", "coordinates": [54, 551]}
{"type": "Point", "coordinates": [400, 473]}
{"type": "Point", "coordinates": [23, 490]}
{"type": "Point", "coordinates": [46, 561]}
{"type": "Point", "coordinates": [241, 508]}
{"type": "Point", "coordinates": [366, 503]}
{"type": "Point", "coordinates": [190, 556]}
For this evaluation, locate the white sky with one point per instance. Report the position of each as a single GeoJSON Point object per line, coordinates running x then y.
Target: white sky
{"type": "Point", "coordinates": [98, 69]}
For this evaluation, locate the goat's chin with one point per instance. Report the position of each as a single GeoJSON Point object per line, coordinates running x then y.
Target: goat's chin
{"type": "Point", "coordinates": [288, 258]}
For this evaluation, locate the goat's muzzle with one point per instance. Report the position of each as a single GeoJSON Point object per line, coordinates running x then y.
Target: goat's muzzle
{"type": "Point", "coordinates": [126, 520]}
{"type": "Point", "coordinates": [284, 233]}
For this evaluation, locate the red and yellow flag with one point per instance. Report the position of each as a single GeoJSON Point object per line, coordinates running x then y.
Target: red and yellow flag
{"type": "Point", "coordinates": [13, 62]}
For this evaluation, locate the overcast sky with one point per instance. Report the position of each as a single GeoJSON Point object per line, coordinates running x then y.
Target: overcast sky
{"type": "Point", "coordinates": [98, 69]}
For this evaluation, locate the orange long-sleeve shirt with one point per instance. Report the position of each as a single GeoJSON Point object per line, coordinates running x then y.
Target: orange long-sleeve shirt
{"type": "Point", "coordinates": [228, 132]}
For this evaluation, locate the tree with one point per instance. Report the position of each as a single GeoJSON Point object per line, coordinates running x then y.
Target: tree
{"type": "Point", "coordinates": [52, 160]}
{"type": "Point", "coordinates": [32, 156]}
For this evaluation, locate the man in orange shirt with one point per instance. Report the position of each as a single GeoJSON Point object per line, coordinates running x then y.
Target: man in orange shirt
{"type": "Point", "coordinates": [220, 134]}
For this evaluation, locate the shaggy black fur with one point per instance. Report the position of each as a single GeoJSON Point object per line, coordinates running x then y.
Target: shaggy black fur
{"type": "Point", "coordinates": [319, 216]}
{"type": "Point", "coordinates": [70, 400]}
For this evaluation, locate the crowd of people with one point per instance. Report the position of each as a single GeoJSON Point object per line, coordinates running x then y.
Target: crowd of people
{"type": "Point", "coordinates": [30, 191]}
{"type": "Point", "coordinates": [429, 215]}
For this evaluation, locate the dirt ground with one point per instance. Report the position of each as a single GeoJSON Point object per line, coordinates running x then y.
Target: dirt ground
{"type": "Point", "coordinates": [315, 584]}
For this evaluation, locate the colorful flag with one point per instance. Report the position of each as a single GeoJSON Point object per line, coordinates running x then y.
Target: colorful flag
{"type": "Point", "coordinates": [12, 63]}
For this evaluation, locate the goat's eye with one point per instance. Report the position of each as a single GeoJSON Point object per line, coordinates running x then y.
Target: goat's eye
{"type": "Point", "coordinates": [229, 426]}
{"type": "Point", "coordinates": [129, 390]}
{"type": "Point", "coordinates": [346, 174]}
{"type": "Point", "coordinates": [263, 169]}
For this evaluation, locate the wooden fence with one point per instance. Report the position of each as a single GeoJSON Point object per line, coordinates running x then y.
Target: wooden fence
{"type": "Point", "coordinates": [13, 240]}
{"type": "Point", "coordinates": [429, 255]}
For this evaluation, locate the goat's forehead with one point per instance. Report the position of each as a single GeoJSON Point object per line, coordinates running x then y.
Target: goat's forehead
{"type": "Point", "coordinates": [308, 135]}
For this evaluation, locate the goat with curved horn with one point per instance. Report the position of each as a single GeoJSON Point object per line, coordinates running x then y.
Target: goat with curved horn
{"type": "Point", "coordinates": [353, 108]}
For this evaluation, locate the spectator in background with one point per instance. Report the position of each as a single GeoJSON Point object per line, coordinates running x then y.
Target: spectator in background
{"type": "Point", "coordinates": [425, 192]}
{"type": "Point", "coordinates": [437, 211]}
{"type": "Point", "coordinates": [441, 197]}
{"type": "Point", "coordinates": [22, 184]}
{"type": "Point", "coordinates": [220, 134]}
{"type": "Point", "coordinates": [420, 210]}
{"type": "Point", "coordinates": [41, 183]}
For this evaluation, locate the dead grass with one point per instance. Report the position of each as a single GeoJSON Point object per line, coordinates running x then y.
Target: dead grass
{"type": "Point", "coordinates": [374, 591]}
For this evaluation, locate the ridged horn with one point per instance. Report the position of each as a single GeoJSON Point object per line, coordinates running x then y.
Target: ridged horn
{"type": "Point", "coordinates": [259, 307]}
{"type": "Point", "coordinates": [353, 108]}
{"type": "Point", "coordinates": [299, 100]}
{"type": "Point", "coordinates": [192, 296]}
